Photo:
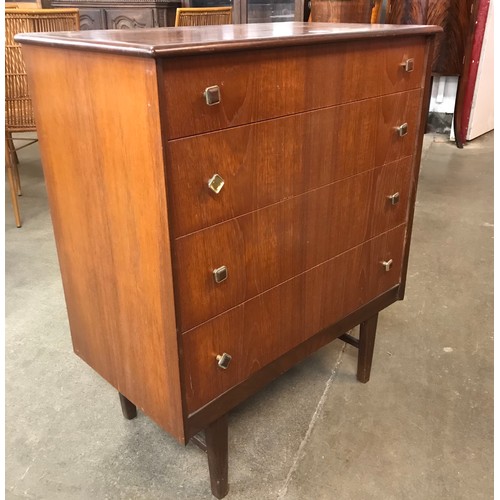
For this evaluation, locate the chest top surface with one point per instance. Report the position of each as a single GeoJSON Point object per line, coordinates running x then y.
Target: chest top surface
{"type": "Point", "coordinates": [165, 42]}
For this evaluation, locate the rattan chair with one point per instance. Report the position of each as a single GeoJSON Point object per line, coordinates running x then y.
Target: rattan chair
{"type": "Point", "coordinates": [203, 16]}
{"type": "Point", "coordinates": [18, 109]}
{"type": "Point", "coordinates": [24, 5]}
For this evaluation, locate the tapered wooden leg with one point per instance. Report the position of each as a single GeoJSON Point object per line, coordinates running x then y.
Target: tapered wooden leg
{"type": "Point", "coordinates": [12, 185]}
{"type": "Point", "coordinates": [367, 332]}
{"type": "Point", "coordinates": [216, 441]}
{"type": "Point", "coordinates": [129, 409]}
{"type": "Point", "coordinates": [12, 148]}
{"type": "Point", "coordinates": [9, 145]}
{"type": "Point", "coordinates": [15, 171]}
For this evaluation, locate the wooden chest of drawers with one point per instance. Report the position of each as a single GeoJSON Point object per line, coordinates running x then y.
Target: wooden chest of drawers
{"type": "Point", "coordinates": [226, 200]}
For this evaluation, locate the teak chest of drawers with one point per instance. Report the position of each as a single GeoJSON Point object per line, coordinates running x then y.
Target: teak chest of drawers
{"type": "Point", "coordinates": [227, 200]}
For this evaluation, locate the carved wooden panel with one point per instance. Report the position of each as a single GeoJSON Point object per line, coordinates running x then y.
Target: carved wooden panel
{"type": "Point", "coordinates": [130, 18]}
{"type": "Point", "coordinates": [92, 19]}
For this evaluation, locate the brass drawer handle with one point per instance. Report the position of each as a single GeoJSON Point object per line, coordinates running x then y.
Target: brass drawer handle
{"type": "Point", "coordinates": [402, 129]}
{"type": "Point", "coordinates": [220, 274]}
{"type": "Point", "coordinates": [387, 264]}
{"type": "Point", "coordinates": [394, 198]}
{"type": "Point", "coordinates": [212, 95]}
{"type": "Point", "coordinates": [223, 360]}
{"type": "Point", "coordinates": [408, 65]}
{"type": "Point", "coordinates": [216, 183]}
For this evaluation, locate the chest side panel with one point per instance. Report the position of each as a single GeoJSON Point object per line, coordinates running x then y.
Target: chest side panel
{"type": "Point", "coordinates": [99, 129]}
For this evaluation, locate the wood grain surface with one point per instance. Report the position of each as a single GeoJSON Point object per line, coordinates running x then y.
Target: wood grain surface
{"type": "Point", "coordinates": [454, 16]}
{"type": "Point", "coordinates": [259, 379]}
{"type": "Point", "coordinates": [271, 245]}
{"type": "Point", "coordinates": [172, 42]}
{"type": "Point", "coordinates": [267, 84]}
{"type": "Point", "coordinates": [260, 330]}
{"type": "Point", "coordinates": [273, 160]}
{"type": "Point", "coordinates": [341, 11]}
{"type": "Point", "coordinates": [305, 138]}
{"type": "Point", "coordinates": [103, 165]}
{"type": "Point", "coordinates": [407, 11]}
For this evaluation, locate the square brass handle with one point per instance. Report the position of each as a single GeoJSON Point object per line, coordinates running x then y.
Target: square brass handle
{"type": "Point", "coordinates": [394, 198]}
{"type": "Point", "coordinates": [220, 274]}
{"type": "Point", "coordinates": [387, 264]}
{"type": "Point", "coordinates": [408, 65]}
{"type": "Point", "coordinates": [212, 95]}
{"type": "Point", "coordinates": [402, 129]}
{"type": "Point", "coordinates": [223, 360]}
{"type": "Point", "coordinates": [216, 183]}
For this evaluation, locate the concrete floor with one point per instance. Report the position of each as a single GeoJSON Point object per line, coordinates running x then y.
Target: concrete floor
{"type": "Point", "coordinates": [422, 428]}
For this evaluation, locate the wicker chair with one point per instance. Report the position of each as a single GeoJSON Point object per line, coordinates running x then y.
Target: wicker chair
{"type": "Point", "coordinates": [203, 16]}
{"type": "Point", "coordinates": [18, 109]}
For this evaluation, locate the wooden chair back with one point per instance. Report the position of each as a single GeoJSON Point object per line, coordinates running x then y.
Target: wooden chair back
{"type": "Point", "coordinates": [203, 16]}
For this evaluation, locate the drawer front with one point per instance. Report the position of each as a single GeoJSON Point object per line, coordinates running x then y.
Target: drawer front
{"type": "Point", "coordinates": [260, 330]}
{"type": "Point", "coordinates": [262, 84]}
{"type": "Point", "coordinates": [266, 162]}
{"type": "Point", "coordinates": [266, 247]}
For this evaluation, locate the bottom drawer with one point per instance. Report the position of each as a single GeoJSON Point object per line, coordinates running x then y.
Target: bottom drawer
{"type": "Point", "coordinates": [260, 330]}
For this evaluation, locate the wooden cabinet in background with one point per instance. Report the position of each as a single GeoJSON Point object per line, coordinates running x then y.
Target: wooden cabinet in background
{"type": "Point", "coordinates": [226, 200]}
{"type": "Point", "coordinates": [122, 14]}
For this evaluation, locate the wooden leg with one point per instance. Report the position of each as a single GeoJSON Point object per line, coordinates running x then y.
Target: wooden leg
{"type": "Point", "coordinates": [12, 185]}
{"type": "Point", "coordinates": [367, 332]}
{"type": "Point", "coordinates": [129, 409]}
{"type": "Point", "coordinates": [12, 148]}
{"type": "Point", "coordinates": [15, 170]}
{"type": "Point", "coordinates": [216, 442]}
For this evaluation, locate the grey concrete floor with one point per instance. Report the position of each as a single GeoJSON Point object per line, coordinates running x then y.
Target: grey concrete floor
{"type": "Point", "coordinates": [422, 428]}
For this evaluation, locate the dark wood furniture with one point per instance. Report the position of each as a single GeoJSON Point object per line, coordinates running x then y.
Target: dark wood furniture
{"type": "Point", "coordinates": [341, 11]}
{"type": "Point", "coordinates": [122, 14]}
{"type": "Point", "coordinates": [452, 48]}
{"type": "Point", "coordinates": [227, 200]}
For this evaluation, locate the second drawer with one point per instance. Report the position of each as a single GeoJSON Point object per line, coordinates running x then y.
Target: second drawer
{"type": "Point", "coordinates": [224, 265]}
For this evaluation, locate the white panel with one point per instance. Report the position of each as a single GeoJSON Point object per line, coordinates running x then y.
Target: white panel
{"type": "Point", "coordinates": [481, 118]}
{"type": "Point", "coordinates": [443, 94]}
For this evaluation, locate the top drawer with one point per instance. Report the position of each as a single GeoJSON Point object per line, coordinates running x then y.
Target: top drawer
{"type": "Point", "coordinates": [262, 84]}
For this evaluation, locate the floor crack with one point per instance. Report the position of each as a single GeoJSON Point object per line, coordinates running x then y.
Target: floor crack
{"type": "Point", "coordinates": [300, 451]}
